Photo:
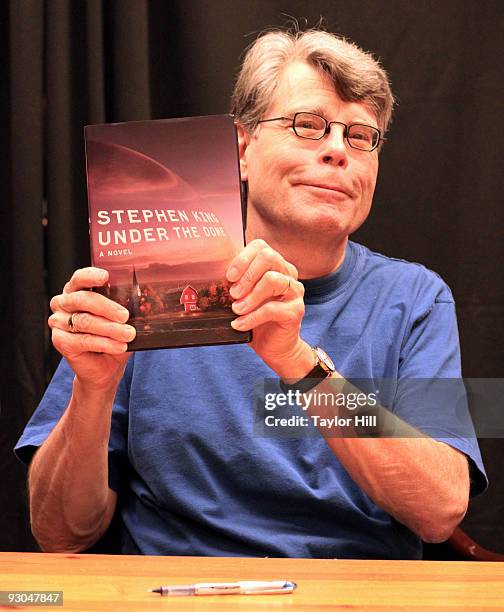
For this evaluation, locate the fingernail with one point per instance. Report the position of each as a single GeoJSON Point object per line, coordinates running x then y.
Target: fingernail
{"type": "Point", "coordinates": [232, 273]}
{"type": "Point", "coordinates": [122, 313]}
{"type": "Point", "coordinates": [131, 333]}
{"type": "Point", "coordinates": [237, 324]}
{"type": "Point", "coordinates": [236, 290]}
{"type": "Point", "coordinates": [238, 306]}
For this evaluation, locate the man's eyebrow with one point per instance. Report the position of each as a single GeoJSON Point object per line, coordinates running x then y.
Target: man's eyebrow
{"type": "Point", "coordinates": [318, 110]}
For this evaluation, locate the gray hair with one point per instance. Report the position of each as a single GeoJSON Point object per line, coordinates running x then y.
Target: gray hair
{"type": "Point", "coordinates": [356, 75]}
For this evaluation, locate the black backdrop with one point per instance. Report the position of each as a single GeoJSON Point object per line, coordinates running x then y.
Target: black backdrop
{"type": "Point", "coordinates": [66, 63]}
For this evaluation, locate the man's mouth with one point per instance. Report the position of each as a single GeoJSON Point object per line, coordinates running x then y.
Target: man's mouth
{"type": "Point", "coordinates": [334, 188]}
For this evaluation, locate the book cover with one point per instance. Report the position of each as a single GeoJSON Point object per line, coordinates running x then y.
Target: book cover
{"type": "Point", "coordinates": [165, 217]}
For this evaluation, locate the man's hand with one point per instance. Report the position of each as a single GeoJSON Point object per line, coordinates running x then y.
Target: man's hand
{"type": "Point", "coordinates": [90, 330]}
{"type": "Point", "coordinates": [269, 300]}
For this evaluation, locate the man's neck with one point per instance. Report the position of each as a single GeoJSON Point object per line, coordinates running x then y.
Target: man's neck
{"type": "Point", "coordinates": [313, 258]}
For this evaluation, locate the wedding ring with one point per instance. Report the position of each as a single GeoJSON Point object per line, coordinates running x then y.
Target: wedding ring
{"type": "Point", "coordinates": [288, 286]}
{"type": "Point", "coordinates": [71, 324]}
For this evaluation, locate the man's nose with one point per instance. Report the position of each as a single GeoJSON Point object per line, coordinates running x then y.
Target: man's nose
{"type": "Point", "coordinates": [333, 149]}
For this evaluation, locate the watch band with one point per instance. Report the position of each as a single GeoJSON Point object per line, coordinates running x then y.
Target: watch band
{"type": "Point", "coordinates": [322, 369]}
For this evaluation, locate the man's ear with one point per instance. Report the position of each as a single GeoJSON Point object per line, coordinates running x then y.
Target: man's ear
{"type": "Point", "coordinates": [243, 143]}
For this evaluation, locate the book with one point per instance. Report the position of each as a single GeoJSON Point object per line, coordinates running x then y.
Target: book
{"type": "Point", "coordinates": [165, 220]}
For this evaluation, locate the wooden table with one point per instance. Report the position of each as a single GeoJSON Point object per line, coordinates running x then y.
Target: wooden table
{"type": "Point", "coordinates": [109, 582]}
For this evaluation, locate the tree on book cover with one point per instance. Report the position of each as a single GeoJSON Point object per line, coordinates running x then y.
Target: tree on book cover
{"type": "Point", "coordinates": [165, 216]}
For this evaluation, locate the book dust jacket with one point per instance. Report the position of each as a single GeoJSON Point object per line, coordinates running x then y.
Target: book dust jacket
{"type": "Point", "coordinates": [165, 216]}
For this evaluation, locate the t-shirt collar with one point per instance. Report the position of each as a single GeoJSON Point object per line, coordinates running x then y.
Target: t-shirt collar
{"type": "Point", "coordinates": [325, 287]}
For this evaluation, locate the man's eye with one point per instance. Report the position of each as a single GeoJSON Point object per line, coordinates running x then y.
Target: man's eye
{"type": "Point", "coordinates": [307, 125]}
{"type": "Point", "coordinates": [361, 135]}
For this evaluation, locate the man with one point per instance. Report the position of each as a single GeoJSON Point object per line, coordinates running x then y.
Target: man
{"type": "Point", "coordinates": [179, 461]}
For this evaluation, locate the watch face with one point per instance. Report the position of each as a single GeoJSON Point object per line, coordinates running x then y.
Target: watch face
{"type": "Point", "coordinates": [325, 359]}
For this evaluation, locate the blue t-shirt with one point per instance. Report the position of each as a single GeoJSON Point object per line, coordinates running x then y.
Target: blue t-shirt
{"type": "Point", "coordinates": [192, 477]}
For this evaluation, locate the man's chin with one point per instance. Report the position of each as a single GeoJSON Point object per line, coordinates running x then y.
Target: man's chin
{"type": "Point", "coordinates": [321, 227]}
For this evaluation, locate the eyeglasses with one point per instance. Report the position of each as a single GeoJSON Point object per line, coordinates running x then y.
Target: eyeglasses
{"type": "Point", "coordinates": [314, 127]}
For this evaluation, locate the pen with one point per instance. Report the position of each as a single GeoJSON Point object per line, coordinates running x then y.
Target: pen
{"type": "Point", "coordinates": [244, 587]}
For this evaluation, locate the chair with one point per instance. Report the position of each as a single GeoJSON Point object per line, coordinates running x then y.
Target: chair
{"type": "Point", "coordinates": [467, 548]}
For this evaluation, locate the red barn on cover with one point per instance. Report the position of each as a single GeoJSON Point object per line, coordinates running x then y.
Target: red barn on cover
{"type": "Point", "coordinates": [189, 298]}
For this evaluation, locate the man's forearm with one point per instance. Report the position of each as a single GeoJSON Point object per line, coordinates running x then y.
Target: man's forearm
{"type": "Point", "coordinates": [421, 482]}
{"type": "Point", "coordinates": [71, 504]}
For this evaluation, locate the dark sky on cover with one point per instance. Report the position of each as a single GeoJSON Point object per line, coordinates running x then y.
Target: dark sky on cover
{"type": "Point", "coordinates": [182, 164]}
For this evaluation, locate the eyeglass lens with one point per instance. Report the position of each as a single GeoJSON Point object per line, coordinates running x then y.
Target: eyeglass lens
{"type": "Point", "coordinates": [309, 125]}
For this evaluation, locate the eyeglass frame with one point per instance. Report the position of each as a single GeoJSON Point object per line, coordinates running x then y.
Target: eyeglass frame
{"type": "Point", "coordinates": [327, 129]}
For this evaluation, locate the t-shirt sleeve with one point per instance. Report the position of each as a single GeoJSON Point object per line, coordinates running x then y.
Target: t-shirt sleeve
{"type": "Point", "coordinates": [52, 407]}
{"type": "Point", "coordinates": [430, 393]}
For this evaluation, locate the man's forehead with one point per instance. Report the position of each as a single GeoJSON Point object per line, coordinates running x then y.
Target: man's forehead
{"type": "Point", "coordinates": [298, 78]}
{"type": "Point", "coordinates": [302, 87]}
